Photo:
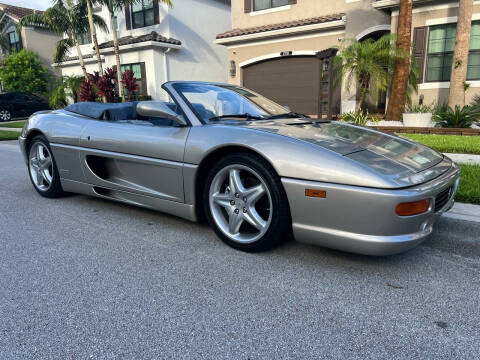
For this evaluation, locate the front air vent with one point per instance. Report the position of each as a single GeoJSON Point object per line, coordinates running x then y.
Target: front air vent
{"type": "Point", "coordinates": [442, 198]}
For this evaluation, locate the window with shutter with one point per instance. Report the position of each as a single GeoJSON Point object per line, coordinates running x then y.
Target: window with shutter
{"type": "Point", "coordinates": [419, 43]}
{"type": "Point", "coordinates": [441, 45]}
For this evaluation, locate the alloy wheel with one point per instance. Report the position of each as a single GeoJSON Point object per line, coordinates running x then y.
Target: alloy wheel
{"type": "Point", "coordinates": [5, 115]}
{"type": "Point", "coordinates": [41, 166]}
{"type": "Point", "coordinates": [240, 203]}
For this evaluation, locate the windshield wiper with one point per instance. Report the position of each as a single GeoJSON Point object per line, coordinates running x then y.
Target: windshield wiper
{"type": "Point", "coordinates": [290, 114]}
{"type": "Point", "coordinates": [247, 116]}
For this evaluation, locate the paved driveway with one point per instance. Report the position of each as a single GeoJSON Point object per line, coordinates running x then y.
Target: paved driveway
{"type": "Point", "coordinates": [82, 277]}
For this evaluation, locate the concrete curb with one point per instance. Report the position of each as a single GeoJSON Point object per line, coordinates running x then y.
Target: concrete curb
{"type": "Point", "coordinates": [11, 129]}
{"type": "Point", "coordinates": [468, 212]}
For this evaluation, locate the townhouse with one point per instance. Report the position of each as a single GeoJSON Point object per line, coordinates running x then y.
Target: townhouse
{"type": "Point", "coordinates": [159, 43]}
{"type": "Point", "coordinates": [284, 49]}
{"type": "Point", "coordinates": [38, 40]}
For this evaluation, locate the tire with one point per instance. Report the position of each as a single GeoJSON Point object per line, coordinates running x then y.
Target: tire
{"type": "Point", "coordinates": [5, 115]}
{"type": "Point", "coordinates": [245, 203]}
{"type": "Point", "coordinates": [42, 168]}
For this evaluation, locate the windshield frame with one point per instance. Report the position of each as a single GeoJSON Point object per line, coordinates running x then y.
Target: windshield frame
{"type": "Point", "coordinates": [176, 87]}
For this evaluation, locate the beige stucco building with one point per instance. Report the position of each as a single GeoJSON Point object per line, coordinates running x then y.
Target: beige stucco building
{"type": "Point", "coordinates": [277, 47]}
{"type": "Point", "coordinates": [40, 41]}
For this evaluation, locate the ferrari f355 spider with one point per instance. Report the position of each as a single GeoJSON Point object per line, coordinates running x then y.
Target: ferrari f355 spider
{"type": "Point", "coordinates": [256, 171]}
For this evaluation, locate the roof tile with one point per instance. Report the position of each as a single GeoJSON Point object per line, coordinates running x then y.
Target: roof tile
{"type": "Point", "coordinates": [278, 26]}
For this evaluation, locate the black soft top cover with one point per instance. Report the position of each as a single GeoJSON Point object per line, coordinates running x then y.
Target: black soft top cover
{"type": "Point", "coordinates": [105, 111]}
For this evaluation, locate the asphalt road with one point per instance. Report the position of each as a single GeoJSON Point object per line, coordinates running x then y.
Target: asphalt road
{"type": "Point", "coordinates": [86, 278]}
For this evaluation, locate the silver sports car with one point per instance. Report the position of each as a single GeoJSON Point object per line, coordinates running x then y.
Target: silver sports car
{"type": "Point", "coordinates": [256, 171]}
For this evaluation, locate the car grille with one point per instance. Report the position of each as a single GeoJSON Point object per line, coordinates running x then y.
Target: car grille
{"type": "Point", "coordinates": [442, 198]}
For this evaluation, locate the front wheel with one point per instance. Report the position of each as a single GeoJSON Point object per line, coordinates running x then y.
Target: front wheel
{"type": "Point", "coordinates": [245, 203]}
{"type": "Point", "coordinates": [43, 169]}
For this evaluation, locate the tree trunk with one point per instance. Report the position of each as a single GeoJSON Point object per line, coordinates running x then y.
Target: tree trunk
{"type": "Point", "coordinates": [80, 56]}
{"type": "Point", "coordinates": [94, 36]}
{"type": "Point", "coordinates": [361, 99]}
{"type": "Point", "coordinates": [460, 57]}
{"type": "Point", "coordinates": [117, 57]}
{"type": "Point", "coordinates": [398, 97]}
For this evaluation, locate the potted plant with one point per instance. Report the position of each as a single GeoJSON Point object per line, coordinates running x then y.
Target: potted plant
{"type": "Point", "coordinates": [418, 116]}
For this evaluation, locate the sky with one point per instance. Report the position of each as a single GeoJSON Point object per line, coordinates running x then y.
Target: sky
{"type": "Point", "coordinates": [32, 4]}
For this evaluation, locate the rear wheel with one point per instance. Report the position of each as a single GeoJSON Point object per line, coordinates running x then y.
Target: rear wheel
{"type": "Point", "coordinates": [42, 168]}
{"type": "Point", "coordinates": [245, 203]}
{"type": "Point", "coordinates": [5, 115]}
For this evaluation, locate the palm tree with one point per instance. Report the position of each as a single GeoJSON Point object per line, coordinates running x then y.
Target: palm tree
{"type": "Point", "coordinates": [460, 56]}
{"type": "Point", "coordinates": [366, 63]}
{"type": "Point", "coordinates": [91, 24]}
{"type": "Point", "coordinates": [398, 97]}
{"type": "Point", "coordinates": [114, 6]}
{"type": "Point", "coordinates": [67, 19]}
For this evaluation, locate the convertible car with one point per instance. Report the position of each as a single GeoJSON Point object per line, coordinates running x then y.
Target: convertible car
{"type": "Point", "coordinates": [256, 171]}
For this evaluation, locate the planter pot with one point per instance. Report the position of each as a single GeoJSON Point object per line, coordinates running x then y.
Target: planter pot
{"type": "Point", "coordinates": [418, 120]}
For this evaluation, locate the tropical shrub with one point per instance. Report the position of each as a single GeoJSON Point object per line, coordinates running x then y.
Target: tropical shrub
{"type": "Point", "coordinates": [88, 91]}
{"type": "Point", "coordinates": [105, 84]}
{"type": "Point", "coordinates": [130, 83]}
{"type": "Point", "coordinates": [23, 71]}
{"type": "Point", "coordinates": [358, 118]}
{"type": "Point", "coordinates": [413, 109]}
{"type": "Point", "coordinates": [456, 118]}
{"type": "Point", "coordinates": [66, 88]}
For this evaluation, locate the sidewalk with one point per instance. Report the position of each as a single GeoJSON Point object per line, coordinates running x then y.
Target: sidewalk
{"type": "Point", "coordinates": [469, 159]}
{"type": "Point", "coordinates": [11, 129]}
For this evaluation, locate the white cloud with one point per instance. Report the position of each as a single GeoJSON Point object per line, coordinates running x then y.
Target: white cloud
{"type": "Point", "coordinates": [32, 4]}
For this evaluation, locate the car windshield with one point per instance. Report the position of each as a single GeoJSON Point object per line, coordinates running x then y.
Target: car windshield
{"type": "Point", "coordinates": [212, 102]}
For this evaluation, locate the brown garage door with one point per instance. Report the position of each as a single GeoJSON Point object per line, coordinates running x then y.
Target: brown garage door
{"type": "Point", "coordinates": [292, 81]}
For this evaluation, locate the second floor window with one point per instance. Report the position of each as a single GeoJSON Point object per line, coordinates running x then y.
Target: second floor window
{"type": "Point", "coordinates": [143, 14]}
{"type": "Point", "coordinates": [14, 41]}
{"type": "Point", "coordinates": [84, 38]}
{"type": "Point", "coordinates": [267, 4]}
{"type": "Point", "coordinates": [441, 45]}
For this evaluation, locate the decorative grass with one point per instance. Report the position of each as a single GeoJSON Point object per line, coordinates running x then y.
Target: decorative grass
{"type": "Point", "coordinates": [448, 143]}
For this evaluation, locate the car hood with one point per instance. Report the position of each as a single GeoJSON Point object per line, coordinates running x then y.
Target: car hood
{"type": "Point", "coordinates": [403, 161]}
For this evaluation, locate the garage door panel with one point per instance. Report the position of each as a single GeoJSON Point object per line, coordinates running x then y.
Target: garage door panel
{"type": "Point", "coordinates": [291, 81]}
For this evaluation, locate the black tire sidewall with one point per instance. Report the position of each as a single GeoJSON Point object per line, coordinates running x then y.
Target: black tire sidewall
{"type": "Point", "coordinates": [280, 226]}
{"type": "Point", "coordinates": [55, 189]}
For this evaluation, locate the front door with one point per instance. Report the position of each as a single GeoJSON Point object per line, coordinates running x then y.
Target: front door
{"type": "Point", "coordinates": [137, 156]}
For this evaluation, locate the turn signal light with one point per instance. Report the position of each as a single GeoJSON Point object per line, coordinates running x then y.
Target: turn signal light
{"type": "Point", "coordinates": [316, 193]}
{"type": "Point", "coordinates": [413, 208]}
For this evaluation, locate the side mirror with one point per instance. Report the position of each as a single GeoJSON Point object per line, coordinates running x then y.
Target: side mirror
{"type": "Point", "coordinates": [159, 109]}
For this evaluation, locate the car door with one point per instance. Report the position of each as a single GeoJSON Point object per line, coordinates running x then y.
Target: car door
{"type": "Point", "coordinates": [144, 157]}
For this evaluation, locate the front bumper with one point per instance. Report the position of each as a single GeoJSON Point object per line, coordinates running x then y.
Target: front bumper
{"type": "Point", "coordinates": [363, 220]}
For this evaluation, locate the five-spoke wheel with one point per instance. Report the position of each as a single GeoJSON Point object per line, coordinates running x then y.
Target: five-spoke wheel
{"type": "Point", "coordinates": [41, 166]}
{"type": "Point", "coordinates": [241, 203]}
{"type": "Point", "coordinates": [42, 169]}
{"type": "Point", "coordinates": [245, 203]}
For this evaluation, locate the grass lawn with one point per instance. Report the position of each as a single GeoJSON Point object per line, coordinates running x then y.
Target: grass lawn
{"type": "Point", "coordinates": [13, 124]}
{"type": "Point", "coordinates": [448, 143]}
{"type": "Point", "coordinates": [469, 188]}
{"type": "Point", "coordinates": [9, 135]}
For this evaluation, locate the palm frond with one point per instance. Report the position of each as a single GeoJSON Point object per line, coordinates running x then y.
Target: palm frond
{"type": "Point", "coordinates": [37, 20]}
{"type": "Point", "coordinates": [62, 49]}
{"type": "Point", "coordinates": [99, 22]}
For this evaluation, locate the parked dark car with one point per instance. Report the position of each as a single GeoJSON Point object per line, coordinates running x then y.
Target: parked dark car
{"type": "Point", "coordinates": [20, 104]}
